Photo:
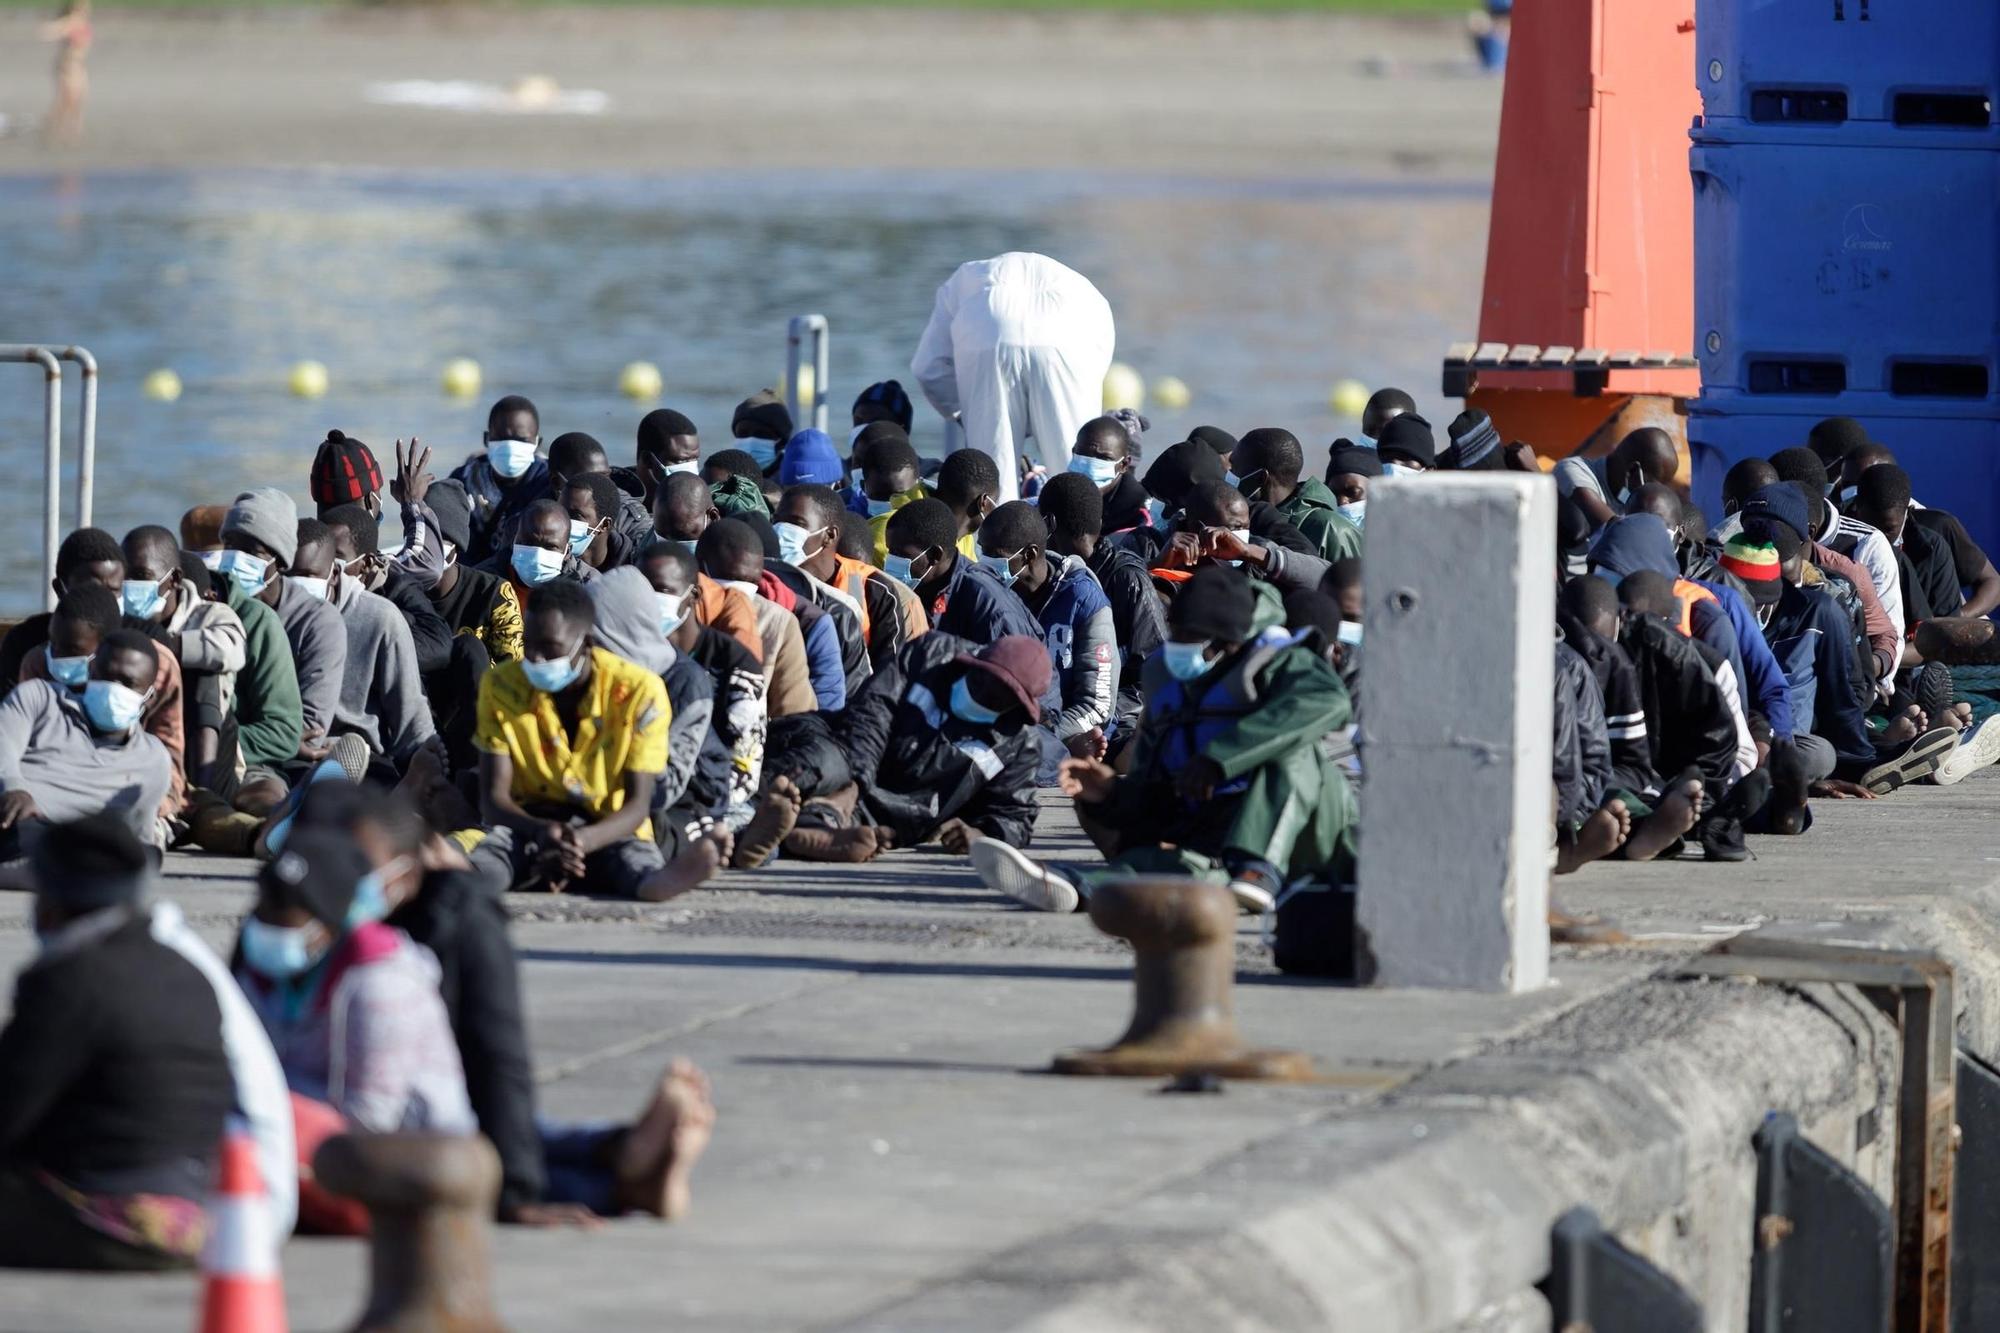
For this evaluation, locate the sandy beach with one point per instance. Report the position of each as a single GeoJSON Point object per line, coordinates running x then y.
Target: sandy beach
{"type": "Point", "coordinates": [1265, 96]}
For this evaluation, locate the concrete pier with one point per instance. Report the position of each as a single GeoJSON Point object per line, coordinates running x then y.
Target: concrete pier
{"type": "Point", "coordinates": [891, 1157]}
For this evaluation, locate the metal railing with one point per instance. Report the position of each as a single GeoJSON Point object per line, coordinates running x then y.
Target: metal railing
{"type": "Point", "coordinates": [50, 359]}
{"type": "Point", "coordinates": [805, 327]}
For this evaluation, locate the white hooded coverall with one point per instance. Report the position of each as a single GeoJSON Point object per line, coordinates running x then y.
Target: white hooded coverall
{"type": "Point", "coordinates": [1017, 346]}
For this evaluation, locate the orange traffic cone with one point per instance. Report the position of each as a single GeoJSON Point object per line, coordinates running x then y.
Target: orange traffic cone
{"type": "Point", "coordinates": [241, 1290]}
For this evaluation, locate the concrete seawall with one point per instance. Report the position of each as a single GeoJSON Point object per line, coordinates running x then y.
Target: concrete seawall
{"type": "Point", "coordinates": [1430, 1209]}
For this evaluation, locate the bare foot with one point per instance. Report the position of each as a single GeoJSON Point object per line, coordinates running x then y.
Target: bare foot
{"type": "Point", "coordinates": [690, 870]}
{"type": "Point", "coordinates": [660, 1150]}
{"type": "Point", "coordinates": [1670, 821]}
{"type": "Point", "coordinates": [777, 813]}
{"type": "Point", "coordinates": [1602, 834]}
{"type": "Point", "coordinates": [825, 844]}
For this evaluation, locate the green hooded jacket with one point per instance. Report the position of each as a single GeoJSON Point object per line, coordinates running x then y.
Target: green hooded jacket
{"type": "Point", "coordinates": [1314, 511]}
{"type": "Point", "coordinates": [270, 720]}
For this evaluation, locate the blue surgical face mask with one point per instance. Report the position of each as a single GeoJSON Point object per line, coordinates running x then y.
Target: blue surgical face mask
{"type": "Point", "coordinates": [671, 469]}
{"type": "Point", "coordinates": [1101, 471]}
{"type": "Point", "coordinates": [1230, 479]}
{"type": "Point", "coordinates": [877, 508]}
{"type": "Point", "coordinates": [792, 543]}
{"type": "Point", "coordinates": [855, 434]}
{"type": "Point", "coordinates": [141, 598]}
{"type": "Point", "coordinates": [1400, 470]}
{"type": "Point", "coordinates": [248, 571]}
{"type": "Point", "coordinates": [673, 612]}
{"type": "Point", "coordinates": [1847, 494]}
{"type": "Point", "coordinates": [552, 677]}
{"type": "Point", "coordinates": [764, 451]}
{"type": "Point", "coordinates": [70, 672]}
{"type": "Point", "coordinates": [1350, 633]}
{"type": "Point", "coordinates": [312, 587]}
{"type": "Point", "coordinates": [581, 534]}
{"type": "Point", "coordinates": [212, 560]}
{"type": "Point", "coordinates": [1355, 513]}
{"type": "Point", "coordinates": [510, 458]}
{"type": "Point", "coordinates": [1185, 661]}
{"type": "Point", "coordinates": [277, 952]}
{"type": "Point", "coordinates": [371, 901]}
{"type": "Point", "coordinates": [898, 568]}
{"type": "Point", "coordinates": [968, 709]}
{"type": "Point", "coordinates": [113, 709]}
{"type": "Point", "coordinates": [536, 565]}
{"type": "Point", "coordinates": [1001, 565]}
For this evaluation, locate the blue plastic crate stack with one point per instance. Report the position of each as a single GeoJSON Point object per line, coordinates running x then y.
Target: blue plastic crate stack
{"type": "Point", "coordinates": [1847, 236]}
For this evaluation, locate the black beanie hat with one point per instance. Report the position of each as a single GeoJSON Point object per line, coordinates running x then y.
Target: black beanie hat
{"type": "Point", "coordinates": [1354, 459]}
{"type": "Point", "coordinates": [454, 512]}
{"type": "Point", "coordinates": [1180, 469]}
{"type": "Point", "coordinates": [1216, 603]}
{"type": "Point", "coordinates": [890, 396]}
{"type": "Point", "coordinates": [1475, 443]}
{"type": "Point", "coordinates": [1407, 437]}
{"type": "Point", "coordinates": [764, 415]}
{"type": "Point", "coordinates": [1216, 438]}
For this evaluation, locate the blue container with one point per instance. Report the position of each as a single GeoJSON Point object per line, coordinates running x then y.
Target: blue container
{"type": "Point", "coordinates": [1912, 63]}
{"type": "Point", "coordinates": [1953, 462]}
{"type": "Point", "coordinates": [1823, 270]}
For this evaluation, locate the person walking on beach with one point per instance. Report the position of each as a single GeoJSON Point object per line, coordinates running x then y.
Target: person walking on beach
{"type": "Point", "coordinates": [1017, 346]}
{"type": "Point", "coordinates": [71, 31]}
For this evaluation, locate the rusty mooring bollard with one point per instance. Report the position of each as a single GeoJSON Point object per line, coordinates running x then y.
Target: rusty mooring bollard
{"type": "Point", "coordinates": [430, 1198]}
{"type": "Point", "coordinates": [1183, 936]}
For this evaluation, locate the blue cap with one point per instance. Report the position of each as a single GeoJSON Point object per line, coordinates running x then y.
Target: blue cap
{"type": "Point", "coordinates": [810, 456]}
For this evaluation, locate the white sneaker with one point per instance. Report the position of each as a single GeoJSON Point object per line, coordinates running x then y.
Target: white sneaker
{"type": "Point", "coordinates": [1021, 877]}
{"type": "Point", "coordinates": [1978, 747]}
{"type": "Point", "coordinates": [1252, 898]}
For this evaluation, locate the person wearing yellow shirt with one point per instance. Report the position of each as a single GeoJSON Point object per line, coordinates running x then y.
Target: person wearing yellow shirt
{"type": "Point", "coordinates": [889, 480]}
{"type": "Point", "coordinates": [572, 741]}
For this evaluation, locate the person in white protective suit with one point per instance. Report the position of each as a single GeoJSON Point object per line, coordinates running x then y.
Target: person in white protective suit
{"type": "Point", "coordinates": [1017, 347]}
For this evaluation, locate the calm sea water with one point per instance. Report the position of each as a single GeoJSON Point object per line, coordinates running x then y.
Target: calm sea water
{"type": "Point", "coordinates": [1258, 296]}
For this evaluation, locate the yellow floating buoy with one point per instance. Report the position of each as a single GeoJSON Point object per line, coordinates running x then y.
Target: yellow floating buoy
{"type": "Point", "coordinates": [1123, 387]}
{"type": "Point", "coordinates": [308, 379]}
{"type": "Point", "coordinates": [162, 386]}
{"type": "Point", "coordinates": [1348, 398]}
{"type": "Point", "coordinates": [461, 377]}
{"type": "Point", "coordinates": [640, 381]}
{"type": "Point", "coordinates": [1172, 393]}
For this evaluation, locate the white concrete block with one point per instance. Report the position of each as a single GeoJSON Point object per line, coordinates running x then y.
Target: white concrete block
{"type": "Point", "coordinates": [1456, 700]}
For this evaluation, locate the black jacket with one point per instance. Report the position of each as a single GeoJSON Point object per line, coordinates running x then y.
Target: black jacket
{"type": "Point", "coordinates": [1582, 747]}
{"type": "Point", "coordinates": [1624, 709]}
{"type": "Point", "coordinates": [1125, 506]}
{"type": "Point", "coordinates": [918, 765]}
{"type": "Point", "coordinates": [113, 1075]}
{"type": "Point", "coordinates": [1688, 725]}
{"type": "Point", "coordinates": [1136, 614]}
{"type": "Point", "coordinates": [461, 920]}
{"type": "Point", "coordinates": [428, 630]}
